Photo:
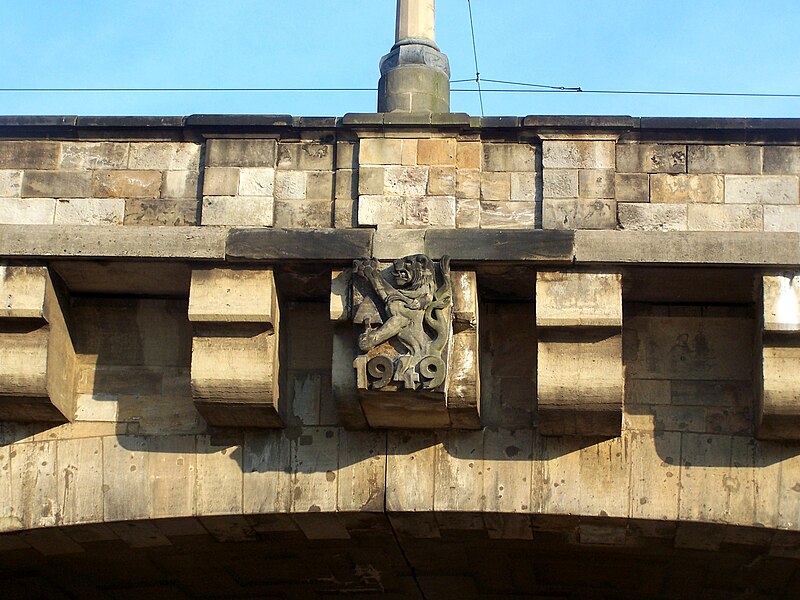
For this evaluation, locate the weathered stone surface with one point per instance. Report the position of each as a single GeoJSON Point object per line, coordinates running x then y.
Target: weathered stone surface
{"type": "Point", "coordinates": [579, 154]}
{"type": "Point", "coordinates": [431, 211]}
{"type": "Point", "coordinates": [468, 213]}
{"type": "Point", "coordinates": [127, 184]}
{"type": "Point", "coordinates": [632, 187]}
{"type": "Point", "coordinates": [307, 156]}
{"type": "Point", "coordinates": [508, 215]}
{"type": "Point", "coordinates": [164, 156]}
{"type": "Point", "coordinates": [525, 187]}
{"type": "Point", "coordinates": [232, 296]}
{"type": "Point", "coordinates": [29, 154]}
{"type": "Point", "coordinates": [578, 214]}
{"type": "Point", "coordinates": [23, 292]}
{"type": "Point", "coordinates": [560, 183]}
{"type": "Point", "coordinates": [94, 155]}
{"type": "Point", "coordinates": [389, 244]}
{"type": "Point", "coordinates": [241, 153]}
{"type": "Point", "coordinates": [370, 181]}
{"type": "Point", "coordinates": [565, 299]}
{"type": "Point", "coordinates": [319, 185]}
{"type": "Point", "coordinates": [718, 217]}
{"type": "Point", "coordinates": [509, 157]}
{"type": "Point", "coordinates": [685, 189]}
{"type": "Point", "coordinates": [782, 302]}
{"type": "Point", "coordinates": [381, 210]}
{"type": "Point", "coordinates": [380, 151]}
{"type": "Point", "coordinates": [90, 211]}
{"type": "Point", "coordinates": [468, 184]}
{"type": "Point", "coordinates": [249, 211]}
{"type": "Point", "coordinates": [468, 155]}
{"type": "Point", "coordinates": [179, 184]}
{"type": "Point", "coordinates": [10, 183]}
{"type": "Point", "coordinates": [326, 244]}
{"type": "Point", "coordinates": [405, 181]}
{"type": "Point", "coordinates": [175, 212]}
{"type": "Point", "coordinates": [27, 211]}
{"type": "Point", "coordinates": [256, 182]}
{"type": "Point", "coordinates": [652, 217]}
{"type": "Point", "coordinates": [495, 187]}
{"type": "Point", "coordinates": [596, 183]}
{"type": "Point", "coordinates": [311, 214]}
{"type": "Point", "coordinates": [56, 184]}
{"type": "Point", "coordinates": [651, 158]}
{"type": "Point", "coordinates": [782, 160]}
{"type": "Point", "coordinates": [221, 181]}
{"type": "Point", "coordinates": [762, 189]}
{"type": "Point", "coordinates": [477, 245]}
{"type": "Point", "coordinates": [345, 213]}
{"type": "Point", "coordinates": [781, 218]}
{"type": "Point", "coordinates": [345, 186]}
{"type": "Point", "coordinates": [442, 181]}
{"type": "Point", "coordinates": [290, 185]}
{"type": "Point", "coordinates": [436, 151]}
{"type": "Point", "coordinates": [743, 160]}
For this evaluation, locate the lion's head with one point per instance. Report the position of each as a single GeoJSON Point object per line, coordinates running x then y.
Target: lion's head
{"type": "Point", "coordinates": [412, 272]}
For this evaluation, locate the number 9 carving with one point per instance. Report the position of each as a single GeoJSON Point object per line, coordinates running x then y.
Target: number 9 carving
{"type": "Point", "coordinates": [382, 369]}
{"type": "Point", "coordinates": [432, 369]}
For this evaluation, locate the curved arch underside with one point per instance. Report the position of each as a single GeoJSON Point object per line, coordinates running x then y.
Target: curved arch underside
{"type": "Point", "coordinates": [398, 556]}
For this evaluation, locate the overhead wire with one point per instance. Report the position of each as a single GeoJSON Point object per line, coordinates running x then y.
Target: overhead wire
{"type": "Point", "coordinates": [475, 55]}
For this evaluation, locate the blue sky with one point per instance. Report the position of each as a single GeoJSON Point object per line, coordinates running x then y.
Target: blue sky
{"type": "Point", "coordinates": [685, 45]}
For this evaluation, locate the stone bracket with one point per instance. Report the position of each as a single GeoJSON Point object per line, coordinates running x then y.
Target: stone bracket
{"type": "Point", "coordinates": [235, 348]}
{"type": "Point", "coordinates": [778, 414]}
{"type": "Point", "coordinates": [37, 356]}
{"type": "Point", "coordinates": [580, 373]}
{"type": "Point", "coordinates": [455, 404]}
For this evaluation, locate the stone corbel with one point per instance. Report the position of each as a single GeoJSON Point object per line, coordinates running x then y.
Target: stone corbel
{"type": "Point", "coordinates": [778, 415]}
{"type": "Point", "coordinates": [405, 352]}
{"type": "Point", "coordinates": [37, 356]}
{"type": "Point", "coordinates": [235, 316]}
{"type": "Point", "coordinates": [580, 374]}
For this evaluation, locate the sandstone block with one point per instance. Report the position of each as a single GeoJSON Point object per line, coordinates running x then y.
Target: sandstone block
{"type": "Point", "coordinates": [164, 156]}
{"type": "Point", "coordinates": [762, 189]}
{"type": "Point", "coordinates": [94, 155]}
{"type": "Point", "coordinates": [405, 181]}
{"type": "Point", "coordinates": [290, 185]}
{"type": "Point", "coordinates": [345, 187]}
{"type": "Point", "coordinates": [596, 183]}
{"type": "Point", "coordinates": [370, 181]}
{"type": "Point", "coordinates": [127, 184]}
{"type": "Point", "coordinates": [307, 156]}
{"type": "Point", "coordinates": [10, 183]}
{"type": "Point", "coordinates": [468, 184]}
{"type": "Point", "coordinates": [745, 160]}
{"type": "Point", "coordinates": [391, 243]}
{"type": "Point", "coordinates": [651, 158]}
{"type": "Point", "coordinates": [346, 157]}
{"type": "Point", "coordinates": [468, 214]}
{"type": "Point", "coordinates": [221, 181]}
{"type": "Point", "coordinates": [685, 189]}
{"type": "Point", "coordinates": [632, 187]}
{"type": "Point", "coordinates": [509, 157]}
{"type": "Point", "coordinates": [345, 213]}
{"type": "Point", "coordinates": [781, 218]}
{"type": "Point", "coordinates": [319, 185]}
{"type": "Point", "coordinates": [380, 151]}
{"type": "Point", "coordinates": [468, 155]}
{"type": "Point", "coordinates": [782, 302]}
{"type": "Point", "coordinates": [257, 181]}
{"type": "Point", "coordinates": [22, 290]}
{"type": "Point", "coordinates": [249, 211]}
{"type": "Point", "coordinates": [431, 211]}
{"type": "Point", "coordinates": [560, 183]}
{"type": "Point", "coordinates": [578, 154]}
{"type": "Point", "coordinates": [241, 153]}
{"type": "Point", "coordinates": [27, 211]}
{"type": "Point", "coordinates": [718, 217]}
{"type": "Point", "coordinates": [307, 214]}
{"type": "Point", "coordinates": [436, 151]}
{"type": "Point", "coordinates": [780, 160]}
{"type": "Point", "coordinates": [578, 214]}
{"type": "Point", "coordinates": [179, 184]}
{"type": "Point", "coordinates": [90, 211]}
{"type": "Point", "coordinates": [525, 186]}
{"type": "Point", "coordinates": [566, 299]}
{"type": "Point", "coordinates": [174, 212]}
{"type": "Point", "coordinates": [442, 181]}
{"type": "Point", "coordinates": [409, 157]}
{"type": "Point", "coordinates": [380, 210]}
{"type": "Point", "coordinates": [56, 184]}
{"type": "Point", "coordinates": [508, 215]}
{"type": "Point", "coordinates": [29, 155]}
{"type": "Point", "coordinates": [495, 186]}
{"type": "Point", "coordinates": [652, 217]}
{"type": "Point", "coordinates": [780, 407]}
{"type": "Point", "coordinates": [232, 296]}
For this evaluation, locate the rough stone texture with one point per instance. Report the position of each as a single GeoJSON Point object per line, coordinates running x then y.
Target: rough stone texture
{"type": "Point", "coordinates": [495, 187]}
{"type": "Point", "coordinates": [241, 153]}
{"type": "Point", "coordinates": [685, 189]}
{"type": "Point", "coordinates": [442, 181]}
{"type": "Point", "coordinates": [90, 211]}
{"type": "Point", "coordinates": [56, 184]}
{"type": "Point", "coordinates": [469, 155]}
{"type": "Point", "coordinates": [221, 181]}
{"type": "Point", "coordinates": [764, 189]}
{"type": "Point", "coordinates": [10, 183]}
{"type": "Point", "coordinates": [525, 187]}
{"type": "Point", "coordinates": [303, 213]}
{"type": "Point", "coordinates": [127, 184]}
{"type": "Point", "coordinates": [746, 160]}
{"type": "Point", "coordinates": [508, 215]}
{"type": "Point", "coordinates": [175, 212]}
{"type": "Point", "coordinates": [560, 183]}
{"type": "Point", "coordinates": [94, 155]}
{"type": "Point", "coordinates": [509, 157]}
{"type": "Point", "coordinates": [290, 185]}
{"type": "Point", "coordinates": [781, 218]}
{"type": "Point", "coordinates": [578, 214]}
{"type": "Point", "coordinates": [30, 211]}
{"type": "Point", "coordinates": [594, 183]}
{"type": "Point", "coordinates": [652, 217]}
{"type": "Point", "coordinates": [29, 154]}
{"type": "Point", "coordinates": [578, 154]}
{"type": "Point", "coordinates": [725, 218]}
{"type": "Point", "coordinates": [306, 156]}
{"type": "Point", "coordinates": [250, 211]}
{"type": "Point", "coordinates": [164, 156]}
{"type": "Point", "coordinates": [468, 184]}
{"type": "Point", "coordinates": [632, 187]}
{"type": "Point", "coordinates": [405, 181]}
{"type": "Point", "coordinates": [256, 182]}
{"type": "Point", "coordinates": [779, 160]}
{"type": "Point", "coordinates": [380, 151]}
{"type": "Point", "coordinates": [651, 158]}
{"type": "Point", "coordinates": [179, 184]}
{"type": "Point", "coordinates": [436, 152]}
{"type": "Point", "coordinates": [319, 185]}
